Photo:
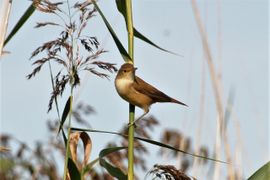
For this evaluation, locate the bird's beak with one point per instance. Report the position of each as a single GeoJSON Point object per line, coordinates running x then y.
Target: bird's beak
{"type": "Point", "coordinates": [135, 69]}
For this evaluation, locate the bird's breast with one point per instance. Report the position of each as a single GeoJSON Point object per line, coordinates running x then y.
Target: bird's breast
{"type": "Point", "coordinates": [126, 90]}
{"type": "Point", "coordinates": [122, 86]}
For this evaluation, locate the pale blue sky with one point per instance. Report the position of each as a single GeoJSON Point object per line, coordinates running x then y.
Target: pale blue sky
{"type": "Point", "coordinates": [170, 24]}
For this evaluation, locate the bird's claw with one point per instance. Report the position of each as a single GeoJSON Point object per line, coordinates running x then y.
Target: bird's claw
{"type": "Point", "coordinates": [132, 124]}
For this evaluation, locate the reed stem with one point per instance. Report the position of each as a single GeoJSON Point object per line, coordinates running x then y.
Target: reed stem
{"type": "Point", "coordinates": [71, 97]}
{"type": "Point", "coordinates": [131, 107]}
{"type": "Point", "coordinates": [68, 134]}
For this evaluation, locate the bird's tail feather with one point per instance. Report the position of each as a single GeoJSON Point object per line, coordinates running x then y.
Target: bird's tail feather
{"type": "Point", "coordinates": [178, 102]}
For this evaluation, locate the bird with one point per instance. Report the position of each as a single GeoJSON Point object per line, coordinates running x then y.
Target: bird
{"type": "Point", "coordinates": [138, 92]}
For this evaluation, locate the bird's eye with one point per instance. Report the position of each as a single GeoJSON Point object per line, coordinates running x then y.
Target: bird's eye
{"type": "Point", "coordinates": [125, 71]}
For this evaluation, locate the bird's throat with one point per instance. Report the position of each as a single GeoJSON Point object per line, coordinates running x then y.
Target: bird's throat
{"type": "Point", "coordinates": [123, 85]}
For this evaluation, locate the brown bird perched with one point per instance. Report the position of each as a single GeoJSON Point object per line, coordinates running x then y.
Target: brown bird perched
{"type": "Point", "coordinates": [138, 92]}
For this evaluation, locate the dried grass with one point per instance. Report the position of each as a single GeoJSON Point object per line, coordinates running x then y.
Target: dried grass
{"type": "Point", "coordinates": [217, 87]}
{"type": "Point", "coordinates": [5, 11]}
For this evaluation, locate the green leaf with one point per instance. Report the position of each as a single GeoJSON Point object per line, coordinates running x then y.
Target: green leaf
{"type": "Point", "coordinates": [151, 142]}
{"type": "Point", "coordinates": [73, 170]}
{"type": "Point", "coordinates": [105, 152]}
{"type": "Point", "coordinates": [64, 137]}
{"type": "Point", "coordinates": [102, 154]}
{"type": "Point", "coordinates": [261, 174]}
{"type": "Point", "coordinates": [20, 23]}
{"type": "Point", "coordinates": [89, 166]}
{"type": "Point", "coordinates": [65, 113]}
{"type": "Point", "coordinates": [119, 45]}
{"type": "Point", "coordinates": [121, 6]}
{"type": "Point", "coordinates": [172, 148]}
{"type": "Point", "coordinates": [114, 171]}
{"type": "Point", "coordinates": [139, 35]}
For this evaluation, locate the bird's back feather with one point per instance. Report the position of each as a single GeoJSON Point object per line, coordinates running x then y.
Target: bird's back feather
{"type": "Point", "coordinates": [143, 87]}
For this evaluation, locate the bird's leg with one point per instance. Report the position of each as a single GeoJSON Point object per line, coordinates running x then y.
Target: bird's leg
{"type": "Point", "coordinates": [145, 112]}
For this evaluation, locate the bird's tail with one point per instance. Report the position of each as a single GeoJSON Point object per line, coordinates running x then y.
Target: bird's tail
{"type": "Point", "coordinates": [178, 102]}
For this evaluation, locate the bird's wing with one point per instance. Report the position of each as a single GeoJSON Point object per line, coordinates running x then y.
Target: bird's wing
{"type": "Point", "coordinates": [143, 87]}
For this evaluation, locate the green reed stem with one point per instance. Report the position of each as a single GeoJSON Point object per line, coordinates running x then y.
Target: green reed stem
{"type": "Point", "coordinates": [68, 134]}
{"type": "Point", "coordinates": [131, 107]}
{"type": "Point", "coordinates": [131, 142]}
{"type": "Point", "coordinates": [71, 97]}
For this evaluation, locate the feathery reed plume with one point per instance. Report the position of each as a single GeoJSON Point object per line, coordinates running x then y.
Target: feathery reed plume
{"type": "Point", "coordinates": [71, 50]}
{"type": "Point", "coordinates": [169, 172]}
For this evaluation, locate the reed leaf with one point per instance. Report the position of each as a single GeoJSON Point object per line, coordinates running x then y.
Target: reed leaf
{"type": "Point", "coordinates": [262, 173]}
{"type": "Point", "coordinates": [20, 23]}
{"type": "Point", "coordinates": [73, 171]}
{"type": "Point", "coordinates": [121, 6]}
{"type": "Point", "coordinates": [87, 147]}
{"type": "Point", "coordinates": [114, 171]}
{"type": "Point", "coordinates": [119, 45]}
{"type": "Point", "coordinates": [106, 151]}
{"type": "Point", "coordinates": [139, 35]}
{"type": "Point", "coordinates": [103, 153]}
{"type": "Point", "coordinates": [151, 142]}
{"type": "Point", "coordinates": [65, 114]}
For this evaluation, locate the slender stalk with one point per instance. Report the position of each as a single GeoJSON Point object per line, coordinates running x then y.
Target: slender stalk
{"type": "Point", "coordinates": [130, 29]}
{"type": "Point", "coordinates": [71, 36]}
{"type": "Point", "coordinates": [131, 107]}
{"type": "Point", "coordinates": [217, 150]}
{"type": "Point", "coordinates": [201, 118]}
{"type": "Point", "coordinates": [217, 87]}
{"type": "Point", "coordinates": [6, 6]}
{"type": "Point", "coordinates": [71, 95]}
{"type": "Point", "coordinates": [53, 86]}
{"type": "Point", "coordinates": [69, 129]}
{"type": "Point", "coordinates": [206, 48]}
{"type": "Point", "coordinates": [131, 143]}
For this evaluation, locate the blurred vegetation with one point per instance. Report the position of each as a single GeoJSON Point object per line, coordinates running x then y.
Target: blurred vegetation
{"type": "Point", "coordinates": [72, 52]}
{"type": "Point", "coordinates": [45, 159]}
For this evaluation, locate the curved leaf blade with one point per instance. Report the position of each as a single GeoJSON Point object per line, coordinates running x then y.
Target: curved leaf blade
{"type": "Point", "coordinates": [65, 114]}
{"type": "Point", "coordinates": [121, 6]}
{"type": "Point", "coordinates": [151, 142]}
{"type": "Point", "coordinates": [64, 137]}
{"type": "Point", "coordinates": [114, 171]}
{"type": "Point", "coordinates": [262, 173]}
{"type": "Point", "coordinates": [107, 151]}
{"type": "Point", "coordinates": [103, 153]}
{"type": "Point", "coordinates": [172, 148]}
{"type": "Point", "coordinates": [89, 166]}
{"type": "Point", "coordinates": [20, 23]}
{"type": "Point", "coordinates": [73, 170]}
{"type": "Point", "coordinates": [118, 43]}
{"type": "Point", "coordinates": [75, 137]}
{"type": "Point", "coordinates": [139, 35]}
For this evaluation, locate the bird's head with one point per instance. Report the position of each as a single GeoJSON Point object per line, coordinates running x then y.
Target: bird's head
{"type": "Point", "coordinates": [127, 70]}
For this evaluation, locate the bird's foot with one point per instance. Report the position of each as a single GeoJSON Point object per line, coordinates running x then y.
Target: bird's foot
{"type": "Point", "coordinates": [132, 124]}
